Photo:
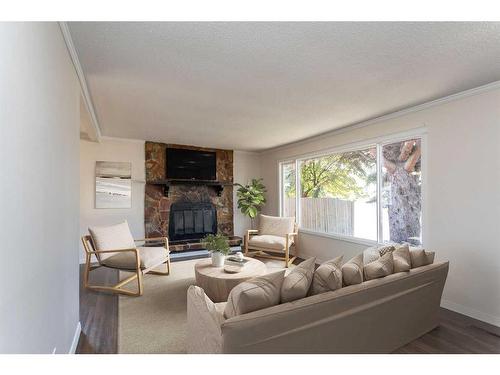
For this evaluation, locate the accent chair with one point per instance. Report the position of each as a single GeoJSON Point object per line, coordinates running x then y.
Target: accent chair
{"type": "Point", "coordinates": [276, 235]}
{"type": "Point", "coordinates": [114, 247]}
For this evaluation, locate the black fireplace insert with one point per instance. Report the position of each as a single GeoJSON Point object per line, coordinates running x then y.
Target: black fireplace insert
{"type": "Point", "coordinates": [191, 221]}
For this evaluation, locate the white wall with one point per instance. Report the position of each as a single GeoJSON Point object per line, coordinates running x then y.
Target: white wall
{"type": "Point", "coordinates": [246, 167]}
{"type": "Point", "coordinates": [111, 149]}
{"type": "Point", "coordinates": [39, 120]}
{"type": "Point", "coordinates": [462, 207]}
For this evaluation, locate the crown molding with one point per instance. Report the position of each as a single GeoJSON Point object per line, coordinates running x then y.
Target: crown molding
{"type": "Point", "coordinates": [357, 125]}
{"type": "Point", "coordinates": [81, 78]}
{"type": "Point", "coordinates": [120, 139]}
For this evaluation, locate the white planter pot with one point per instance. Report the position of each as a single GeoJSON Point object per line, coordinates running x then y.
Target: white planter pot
{"type": "Point", "coordinates": [218, 259]}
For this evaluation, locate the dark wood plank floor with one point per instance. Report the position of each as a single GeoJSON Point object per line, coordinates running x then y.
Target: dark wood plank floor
{"type": "Point", "coordinates": [98, 315]}
{"type": "Point", "coordinates": [456, 334]}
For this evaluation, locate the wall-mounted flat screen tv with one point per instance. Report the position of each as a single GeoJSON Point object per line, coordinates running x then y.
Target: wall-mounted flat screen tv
{"type": "Point", "coordinates": [186, 164]}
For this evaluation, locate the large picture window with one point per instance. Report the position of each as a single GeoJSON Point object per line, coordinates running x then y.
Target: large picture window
{"type": "Point", "coordinates": [371, 193]}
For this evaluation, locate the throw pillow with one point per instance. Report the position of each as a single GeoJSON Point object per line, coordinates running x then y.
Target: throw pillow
{"type": "Point", "coordinates": [352, 271]}
{"type": "Point", "coordinates": [373, 253]}
{"type": "Point", "coordinates": [328, 276]}
{"type": "Point", "coordinates": [297, 283]}
{"type": "Point", "coordinates": [386, 249]}
{"type": "Point", "coordinates": [402, 258]}
{"type": "Point", "coordinates": [379, 268]}
{"type": "Point", "coordinates": [421, 257]}
{"type": "Point", "coordinates": [255, 294]}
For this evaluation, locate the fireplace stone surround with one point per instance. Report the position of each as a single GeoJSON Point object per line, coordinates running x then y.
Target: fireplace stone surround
{"type": "Point", "coordinates": [157, 205]}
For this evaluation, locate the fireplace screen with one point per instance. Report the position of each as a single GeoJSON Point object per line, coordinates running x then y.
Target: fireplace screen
{"type": "Point", "coordinates": [191, 221]}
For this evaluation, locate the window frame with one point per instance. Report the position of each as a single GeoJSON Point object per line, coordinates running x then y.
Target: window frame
{"type": "Point", "coordinates": [379, 143]}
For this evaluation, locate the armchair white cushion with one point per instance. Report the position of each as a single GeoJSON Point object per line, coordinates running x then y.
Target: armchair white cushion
{"type": "Point", "coordinates": [267, 241]}
{"type": "Point", "coordinates": [275, 225]}
{"type": "Point", "coordinates": [112, 237]}
{"type": "Point", "coordinates": [148, 256]}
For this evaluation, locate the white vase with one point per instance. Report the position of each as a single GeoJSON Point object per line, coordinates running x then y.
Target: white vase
{"type": "Point", "coordinates": [218, 259]}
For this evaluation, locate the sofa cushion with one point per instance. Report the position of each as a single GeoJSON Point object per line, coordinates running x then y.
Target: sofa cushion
{"type": "Point", "coordinates": [255, 294]}
{"type": "Point", "coordinates": [275, 225]}
{"type": "Point", "coordinates": [381, 267]}
{"type": "Point", "coordinates": [112, 237]}
{"type": "Point", "coordinates": [401, 258]}
{"type": "Point", "coordinates": [421, 257]}
{"type": "Point", "coordinates": [352, 271]}
{"type": "Point", "coordinates": [328, 276]}
{"type": "Point", "coordinates": [374, 252]}
{"type": "Point", "coordinates": [267, 241]}
{"type": "Point", "coordinates": [298, 282]}
{"type": "Point", "coordinates": [149, 257]}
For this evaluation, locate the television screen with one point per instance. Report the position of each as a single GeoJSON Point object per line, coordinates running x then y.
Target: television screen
{"type": "Point", "coordinates": [190, 164]}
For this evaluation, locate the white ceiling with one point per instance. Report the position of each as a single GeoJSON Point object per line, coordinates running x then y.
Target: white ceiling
{"type": "Point", "coordinates": [253, 86]}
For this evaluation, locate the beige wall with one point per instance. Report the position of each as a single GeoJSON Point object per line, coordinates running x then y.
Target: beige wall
{"type": "Point", "coordinates": [39, 120]}
{"type": "Point", "coordinates": [246, 167]}
{"type": "Point", "coordinates": [462, 206]}
{"type": "Point", "coordinates": [111, 149]}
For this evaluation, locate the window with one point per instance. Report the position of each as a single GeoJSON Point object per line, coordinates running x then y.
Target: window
{"type": "Point", "coordinates": [371, 193]}
{"type": "Point", "coordinates": [288, 195]}
{"type": "Point", "coordinates": [402, 192]}
{"type": "Point", "coordinates": [339, 194]}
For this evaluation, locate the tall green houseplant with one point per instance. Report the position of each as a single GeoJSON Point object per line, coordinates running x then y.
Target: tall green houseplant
{"type": "Point", "coordinates": [251, 198]}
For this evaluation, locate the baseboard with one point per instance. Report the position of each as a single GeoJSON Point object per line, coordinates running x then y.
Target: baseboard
{"type": "Point", "coordinates": [76, 337]}
{"type": "Point", "coordinates": [473, 313]}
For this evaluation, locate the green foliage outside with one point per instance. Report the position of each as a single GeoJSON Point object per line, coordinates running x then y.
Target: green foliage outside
{"type": "Point", "coordinates": [341, 176]}
{"type": "Point", "coordinates": [216, 243]}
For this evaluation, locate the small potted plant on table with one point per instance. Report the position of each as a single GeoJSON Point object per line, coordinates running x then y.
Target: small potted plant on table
{"type": "Point", "coordinates": [218, 246]}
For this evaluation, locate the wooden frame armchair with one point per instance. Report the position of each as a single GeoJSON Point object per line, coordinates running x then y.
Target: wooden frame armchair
{"type": "Point", "coordinates": [271, 239]}
{"type": "Point", "coordinates": [127, 260]}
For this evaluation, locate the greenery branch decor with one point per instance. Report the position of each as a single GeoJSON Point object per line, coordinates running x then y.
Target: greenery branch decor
{"type": "Point", "coordinates": [216, 243]}
{"type": "Point", "coordinates": [251, 198]}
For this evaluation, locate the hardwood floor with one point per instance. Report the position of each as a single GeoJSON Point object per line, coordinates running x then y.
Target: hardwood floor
{"type": "Point", "coordinates": [98, 315]}
{"type": "Point", "coordinates": [456, 334]}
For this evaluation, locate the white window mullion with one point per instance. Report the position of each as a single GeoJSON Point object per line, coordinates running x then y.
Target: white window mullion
{"type": "Point", "coordinates": [281, 190]}
{"type": "Point", "coordinates": [297, 192]}
{"type": "Point", "coordinates": [379, 194]}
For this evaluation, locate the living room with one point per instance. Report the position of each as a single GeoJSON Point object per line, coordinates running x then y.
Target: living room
{"type": "Point", "coordinates": [251, 188]}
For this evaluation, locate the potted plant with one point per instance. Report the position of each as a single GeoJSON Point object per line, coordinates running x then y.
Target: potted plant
{"type": "Point", "coordinates": [251, 198]}
{"type": "Point", "coordinates": [218, 246]}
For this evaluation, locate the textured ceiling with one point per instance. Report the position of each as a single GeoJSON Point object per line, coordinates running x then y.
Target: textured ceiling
{"type": "Point", "coordinates": [253, 86]}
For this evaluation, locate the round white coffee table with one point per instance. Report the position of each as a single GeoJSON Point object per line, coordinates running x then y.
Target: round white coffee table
{"type": "Point", "coordinates": [217, 283]}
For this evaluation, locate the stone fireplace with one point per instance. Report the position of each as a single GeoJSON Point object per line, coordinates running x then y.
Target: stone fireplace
{"type": "Point", "coordinates": [188, 201]}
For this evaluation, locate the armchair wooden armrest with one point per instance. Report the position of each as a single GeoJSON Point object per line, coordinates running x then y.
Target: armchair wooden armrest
{"type": "Point", "coordinates": [164, 239]}
{"type": "Point", "coordinates": [154, 239]}
{"type": "Point", "coordinates": [112, 251]}
{"type": "Point", "coordinates": [137, 258]}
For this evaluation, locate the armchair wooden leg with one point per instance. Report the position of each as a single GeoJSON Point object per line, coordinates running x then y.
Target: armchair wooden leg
{"type": "Point", "coordinates": [246, 244]}
{"type": "Point", "coordinates": [86, 271]}
{"type": "Point", "coordinates": [164, 273]}
{"type": "Point", "coordinates": [117, 288]}
{"type": "Point", "coordinates": [287, 257]}
{"type": "Point", "coordinates": [139, 282]}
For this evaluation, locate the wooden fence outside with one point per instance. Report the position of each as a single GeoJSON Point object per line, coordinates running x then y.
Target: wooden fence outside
{"type": "Point", "coordinates": [328, 215]}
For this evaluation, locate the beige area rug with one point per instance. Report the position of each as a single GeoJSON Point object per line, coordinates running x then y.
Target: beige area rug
{"type": "Point", "coordinates": [156, 321]}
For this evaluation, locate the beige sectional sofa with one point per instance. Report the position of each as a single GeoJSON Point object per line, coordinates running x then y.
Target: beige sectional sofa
{"type": "Point", "coordinates": [376, 316]}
